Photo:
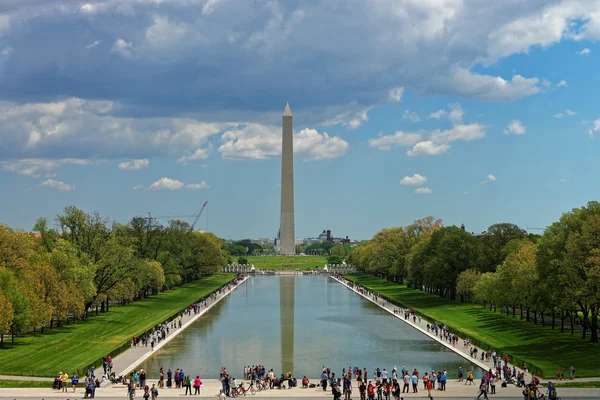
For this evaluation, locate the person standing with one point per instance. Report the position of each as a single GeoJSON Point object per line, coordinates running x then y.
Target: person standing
{"type": "Point", "coordinates": [415, 382]}
{"type": "Point", "coordinates": [493, 384]}
{"type": "Point", "coordinates": [347, 387]}
{"type": "Point", "coordinates": [63, 381]}
{"type": "Point", "coordinates": [161, 379]}
{"type": "Point", "coordinates": [154, 392]}
{"type": "Point", "coordinates": [323, 380]}
{"type": "Point", "coordinates": [188, 385]}
{"type": "Point", "coordinates": [406, 379]}
{"type": "Point", "coordinates": [571, 372]}
{"type": "Point", "coordinates": [362, 389]}
{"type": "Point", "coordinates": [197, 384]}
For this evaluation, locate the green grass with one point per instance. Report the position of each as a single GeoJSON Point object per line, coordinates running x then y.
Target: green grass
{"type": "Point", "coordinates": [575, 385]}
{"type": "Point", "coordinates": [541, 347]}
{"type": "Point", "coordinates": [79, 344]}
{"type": "Point", "coordinates": [287, 262]}
{"type": "Point", "coordinates": [26, 384]}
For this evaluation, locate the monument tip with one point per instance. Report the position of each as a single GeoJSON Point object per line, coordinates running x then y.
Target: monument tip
{"type": "Point", "coordinates": [287, 112]}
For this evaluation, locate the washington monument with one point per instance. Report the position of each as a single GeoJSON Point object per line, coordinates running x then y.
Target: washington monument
{"type": "Point", "coordinates": [287, 234]}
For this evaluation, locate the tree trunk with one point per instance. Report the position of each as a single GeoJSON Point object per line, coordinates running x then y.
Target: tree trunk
{"type": "Point", "coordinates": [527, 314]}
{"type": "Point", "coordinates": [553, 318]}
{"type": "Point", "coordinates": [521, 310]}
{"type": "Point", "coordinates": [51, 323]}
{"type": "Point", "coordinates": [572, 319]}
{"type": "Point", "coordinates": [106, 303]}
{"type": "Point", "coordinates": [543, 321]}
{"type": "Point", "coordinates": [514, 310]}
{"type": "Point", "coordinates": [1, 341]}
{"type": "Point", "coordinates": [594, 333]}
{"type": "Point", "coordinates": [535, 317]}
{"type": "Point", "coordinates": [563, 315]}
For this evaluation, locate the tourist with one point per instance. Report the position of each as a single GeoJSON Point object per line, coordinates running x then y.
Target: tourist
{"type": "Point", "coordinates": [429, 388]}
{"type": "Point", "coordinates": [154, 392]}
{"type": "Point", "coordinates": [415, 381]}
{"type": "Point", "coordinates": [74, 381]}
{"type": "Point", "coordinates": [571, 372]}
{"type": "Point", "coordinates": [169, 378]}
{"type": "Point", "coordinates": [443, 381]}
{"type": "Point", "coordinates": [197, 384]}
{"type": "Point", "coordinates": [63, 380]}
{"type": "Point", "coordinates": [492, 381]}
{"type": "Point", "coordinates": [131, 390]}
{"type": "Point", "coordinates": [482, 389]}
{"type": "Point", "coordinates": [161, 379]}
{"type": "Point", "coordinates": [362, 390]}
{"type": "Point", "coordinates": [371, 391]}
{"type": "Point", "coordinates": [323, 380]}
{"type": "Point", "coordinates": [348, 387]}
{"type": "Point", "coordinates": [188, 385]}
{"type": "Point", "coordinates": [335, 390]}
{"type": "Point", "coordinates": [460, 374]}
{"type": "Point", "coordinates": [142, 378]}
{"type": "Point", "coordinates": [425, 380]}
{"type": "Point", "coordinates": [146, 392]}
{"type": "Point", "coordinates": [407, 380]}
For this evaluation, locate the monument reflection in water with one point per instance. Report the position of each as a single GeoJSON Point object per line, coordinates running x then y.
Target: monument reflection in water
{"type": "Point", "coordinates": [313, 322]}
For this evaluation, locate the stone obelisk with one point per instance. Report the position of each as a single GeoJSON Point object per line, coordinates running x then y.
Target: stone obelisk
{"type": "Point", "coordinates": [287, 234]}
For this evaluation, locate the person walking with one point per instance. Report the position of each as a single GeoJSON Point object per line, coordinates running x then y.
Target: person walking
{"type": "Point", "coordinates": [154, 392]}
{"type": "Point", "coordinates": [415, 382]}
{"type": "Point", "coordinates": [483, 389]}
{"type": "Point", "coordinates": [493, 384]}
{"type": "Point", "coordinates": [197, 384]}
{"type": "Point", "coordinates": [571, 372]}
{"type": "Point", "coordinates": [74, 381]}
{"type": "Point", "coordinates": [406, 379]}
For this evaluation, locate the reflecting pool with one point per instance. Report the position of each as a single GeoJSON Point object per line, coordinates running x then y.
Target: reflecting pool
{"type": "Point", "coordinates": [300, 324]}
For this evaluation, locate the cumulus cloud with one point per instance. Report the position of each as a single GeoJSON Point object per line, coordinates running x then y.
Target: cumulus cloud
{"type": "Point", "coordinates": [398, 139]}
{"type": "Point", "coordinates": [395, 94]}
{"type": "Point", "coordinates": [6, 51]}
{"type": "Point", "coordinates": [562, 84]}
{"type": "Point", "coordinates": [564, 180]}
{"type": "Point", "coordinates": [438, 114]}
{"type": "Point", "coordinates": [137, 187]}
{"type": "Point", "coordinates": [567, 113]}
{"type": "Point", "coordinates": [58, 185]}
{"type": "Point", "coordinates": [36, 168]}
{"type": "Point", "coordinates": [515, 127]}
{"type": "Point", "coordinates": [428, 148]}
{"type": "Point", "coordinates": [122, 48]}
{"type": "Point", "coordinates": [488, 179]}
{"type": "Point", "coordinates": [166, 184]}
{"type": "Point", "coordinates": [350, 119]}
{"type": "Point", "coordinates": [415, 180]}
{"type": "Point", "coordinates": [595, 128]}
{"type": "Point", "coordinates": [199, 154]}
{"type": "Point", "coordinates": [198, 186]}
{"type": "Point", "coordinates": [411, 116]}
{"type": "Point", "coordinates": [423, 190]}
{"type": "Point", "coordinates": [584, 52]}
{"type": "Point", "coordinates": [4, 24]}
{"type": "Point", "coordinates": [256, 141]}
{"type": "Point", "coordinates": [135, 164]}
{"type": "Point", "coordinates": [463, 132]}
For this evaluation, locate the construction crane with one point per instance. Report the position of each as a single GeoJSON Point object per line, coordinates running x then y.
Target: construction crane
{"type": "Point", "coordinates": [198, 216]}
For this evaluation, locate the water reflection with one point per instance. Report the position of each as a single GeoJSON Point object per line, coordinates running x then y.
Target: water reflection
{"type": "Point", "coordinates": [287, 293]}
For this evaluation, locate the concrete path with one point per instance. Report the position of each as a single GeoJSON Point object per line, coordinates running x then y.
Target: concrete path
{"type": "Point", "coordinates": [128, 360]}
{"type": "Point", "coordinates": [211, 388]}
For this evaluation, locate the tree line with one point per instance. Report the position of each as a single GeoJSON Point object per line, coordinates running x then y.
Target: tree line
{"type": "Point", "coordinates": [87, 263]}
{"type": "Point", "coordinates": [554, 276]}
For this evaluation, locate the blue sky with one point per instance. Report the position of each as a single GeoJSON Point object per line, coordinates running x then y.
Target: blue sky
{"type": "Point", "coordinates": [469, 111]}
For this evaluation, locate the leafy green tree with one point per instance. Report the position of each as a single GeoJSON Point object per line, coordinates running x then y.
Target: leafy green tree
{"type": "Point", "coordinates": [242, 260]}
{"type": "Point", "coordinates": [334, 260]}
{"type": "Point", "coordinates": [6, 317]}
{"type": "Point", "coordinates": [465, 284]}
{"type": "Point", "coordinates": [496, 237]}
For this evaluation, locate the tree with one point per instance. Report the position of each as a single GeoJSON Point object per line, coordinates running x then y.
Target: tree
{"type": "Point", "coordinates": [242, 260]}
{"type": "Point", "coordinates": [6, 317]}
{"type": "Point", "coordinates": [334, 260]}
{"type": "Point", "coordinates": [465, 284]}
{"type": "Point", "coordinates": [496, 237]}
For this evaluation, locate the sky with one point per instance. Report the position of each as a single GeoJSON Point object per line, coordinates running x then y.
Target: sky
{"type": "Point", "coordinates": [472, 111]}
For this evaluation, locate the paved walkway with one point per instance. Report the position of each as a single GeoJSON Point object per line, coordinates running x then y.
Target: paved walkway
{"type": "Point", "coordinates": [422, 327]}
{"type": "Point", "coordinates": [129, 359]}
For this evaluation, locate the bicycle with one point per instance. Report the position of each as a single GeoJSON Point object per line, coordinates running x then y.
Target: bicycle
{"type": "Point", "coordinates": [262, 385]}
{"type": "Point", "coordinates": [242, 390]}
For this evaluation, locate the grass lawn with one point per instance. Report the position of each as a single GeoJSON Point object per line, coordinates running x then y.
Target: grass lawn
{"type": "Point", "coordinates": [287, 262]}
{"type": "Point", "coordinates": [27, 384]}
{"type": "Point", "coordinates": [541, 347]}
{"type": "Point", "coordinates": [576, 385]}
{"type": "Point", "coordinates": [76, 345]}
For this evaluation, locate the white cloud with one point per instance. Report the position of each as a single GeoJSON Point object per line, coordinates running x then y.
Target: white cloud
{"type": "Point", "coordinates": [467, 83]}
{"type": "Point", "coordinates": [466, 133]}
{"type": "Point", "coordinates": [350, 120]}
{"type": "Point", "coordinates": [395, 94]}
{"type": "Point", "coordinates": [415, 180]}
{"type": "Point", "coordinates": [564, 180]}
{"type": "Point", "coordinates": [4, 24]}
{"type": "Point", "coordinates": [567, 113]}
{"type": "Point", "coordinates": [87, 8]}
{"type": "Point", "coordinates": [164, 33]}
{"type": "Point", "coordinates": [94, 44]}
{"type": "Point", "coordinates": [209, 7]}
{"type": "Point", "coordinates": [36, 168]}
{"type": "Point", "coordinates": [166, 184]}
{"type": "Point", "coordinates": [135, 164]}
{"type": "Point", "coordinates": [456, 114]}
{"type": "Point", "coordinates": [59, 185]}
{"type": "Point", "coordinates": [122, 48]}
{"type": "Point", "coordinates": [584, 52]}
{"type": "Point", "coordinates": [428, 148]}
{"type": "Point", "coordinates": [438, 114]}
{"type": "Point", "coordinates": [488, 179]}
{"type": "Point", "coordinates": [423, 190]}
{"type": "Point", "coordinates": [256, 141]}
{"type": "Point", "coordinates": [199, 154]}
{"type": "Point", "coordinates": [515, 127]}
{"type": "Point", "coordinates": [137, 187]}
{"type": "Point", "coordinates": [6, 51]}
{"type": "Point", "coordinates": [595, 128]}
{"type": "Point", "coordinates": [198, 186]}
{"type": "Point", "coordinates": [411, 116]}
{"type": "Point", "coordinates": [562, 84]}
{"type": "Point", "coordinates": [398, 139]}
